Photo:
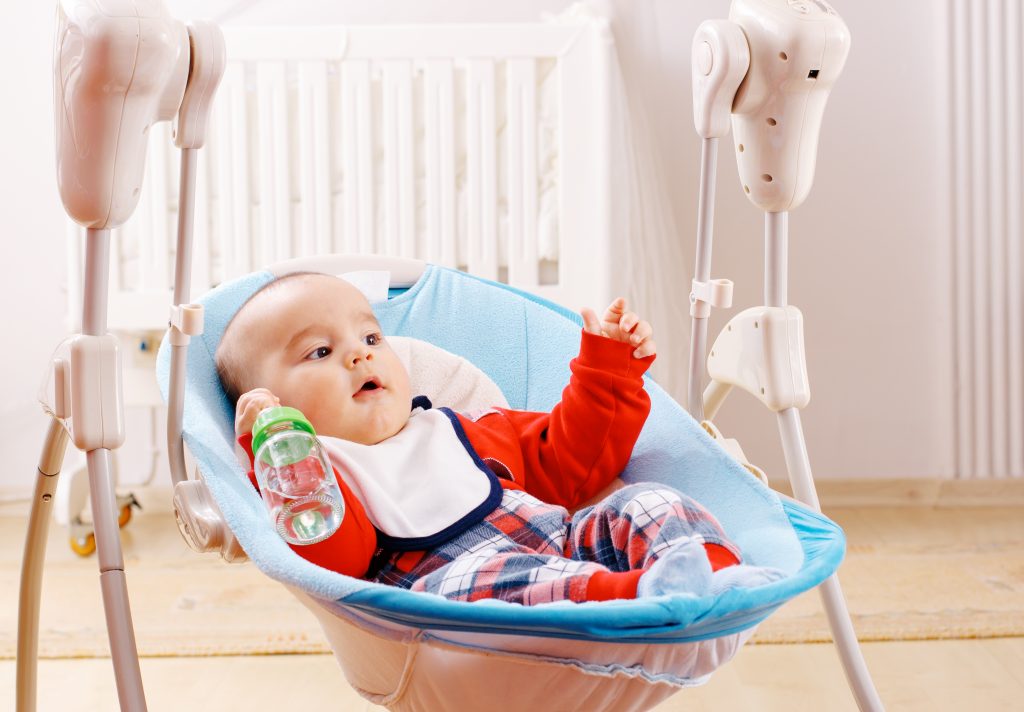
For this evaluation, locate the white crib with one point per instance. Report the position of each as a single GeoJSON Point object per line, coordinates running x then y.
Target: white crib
{"type": "Point", "coordinates": [482, 147]}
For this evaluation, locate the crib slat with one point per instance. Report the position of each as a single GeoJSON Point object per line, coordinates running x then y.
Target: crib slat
{"type": "Point", "coordinates": [439, 142]}
{"type": "Point", "coordinates": [145, 217]}
{"type": "Point", "coordinates": [357, 147]}
{"type": "Point", "coordinates": [131, 256]}
{"type": "Point", "coordinates": [521, 134]}
{"type": "Point", "coordinates": [264, 252]}
{"type": "Point", "coordinates": [399, 180]}
{"type": "Point", "coordinates": [225, 122]}
{"type": "Point", "coordinates": [481, 223]}
{"type": "Point", "coordinates": [154, 248]}
{"type": "Point", "coordinates": [275, 201]}
{"type": "Point", "coordinates": [220, 144]}
{"type": "Point", "coordinates": [201, 229]}
{"type": "Point", "coordinates": [236, 172]}
{"type": "Point", "coordinates": [314, 153]}
{"type": "Point", "coordinates": [389, 130]}
{"type": "Point", "coordinates": [282, 167]}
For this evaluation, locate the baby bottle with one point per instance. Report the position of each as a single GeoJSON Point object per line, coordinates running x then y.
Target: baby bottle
{"type": "Point", "coordinates": [295, 477]}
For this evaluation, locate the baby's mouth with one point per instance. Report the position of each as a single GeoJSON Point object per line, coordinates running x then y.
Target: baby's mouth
{"type": "Point", "coordinates": [371, 385]}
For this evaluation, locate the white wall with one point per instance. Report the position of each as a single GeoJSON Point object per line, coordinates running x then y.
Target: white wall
{"type": "Point", "coordinates": [32, 274]}
{"type": "Point", "coordinates": [870, 263]}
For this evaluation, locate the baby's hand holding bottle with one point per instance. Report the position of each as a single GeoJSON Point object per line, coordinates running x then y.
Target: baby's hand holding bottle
{"type": "Point", "coordinates": [250, 405]}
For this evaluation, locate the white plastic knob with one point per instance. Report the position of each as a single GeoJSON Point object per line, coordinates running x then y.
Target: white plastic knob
{"type": "Point", "coordinates": [207, 62]}
{"type": "Point", "coordinates": [720, 59]}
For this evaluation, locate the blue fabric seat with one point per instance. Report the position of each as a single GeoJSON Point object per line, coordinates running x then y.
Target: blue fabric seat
{"type": "Point", "coordinates": [524, 344]}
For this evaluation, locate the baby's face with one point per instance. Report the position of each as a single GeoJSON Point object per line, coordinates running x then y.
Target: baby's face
{"type": "Point", "coordinates": [316, 344]}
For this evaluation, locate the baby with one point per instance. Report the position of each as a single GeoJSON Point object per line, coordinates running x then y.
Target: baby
{"type": "Point", "coordinates": [472, 506]}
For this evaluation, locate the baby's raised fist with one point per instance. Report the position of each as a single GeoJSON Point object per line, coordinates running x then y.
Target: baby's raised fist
{"type": "Point", "coordinates": [622, 325]}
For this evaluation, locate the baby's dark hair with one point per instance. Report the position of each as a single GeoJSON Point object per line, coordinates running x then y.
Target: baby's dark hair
{"type": "Point", "coordinates": [232, 373]}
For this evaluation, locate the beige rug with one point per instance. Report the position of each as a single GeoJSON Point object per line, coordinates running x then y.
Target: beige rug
{"type": "Point", "coordinates": [909, 575]}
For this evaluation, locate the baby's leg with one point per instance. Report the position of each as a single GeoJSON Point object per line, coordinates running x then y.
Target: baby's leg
{"type": "Point", "coordinates": [635, 525]}
{"type": "Point", "coordinates": [511, 573]}
{"type": "Point", "coordinates": [515, 555]}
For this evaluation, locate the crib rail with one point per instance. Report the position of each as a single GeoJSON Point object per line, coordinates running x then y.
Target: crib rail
{"type": "Point", "coordinates": [478, 147]}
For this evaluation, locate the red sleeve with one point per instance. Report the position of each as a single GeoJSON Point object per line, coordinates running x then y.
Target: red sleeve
{"type": "Point", "coordinates": [575, 451]}
{"type": "Point", "coordinates": [349, 550]}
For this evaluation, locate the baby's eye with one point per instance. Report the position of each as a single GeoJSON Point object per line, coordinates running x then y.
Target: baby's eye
{"type": "Point", "coordinates": [319, 353]}
{"type": "Point", "coordinates": [373, 339]}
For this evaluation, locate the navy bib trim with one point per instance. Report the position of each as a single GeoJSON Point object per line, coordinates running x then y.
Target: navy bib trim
{"type": "Point", "coordinates": [471, 519]}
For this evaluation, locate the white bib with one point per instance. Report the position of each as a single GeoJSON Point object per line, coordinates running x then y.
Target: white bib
{"type": "Point", "coordinates": [422, 486]}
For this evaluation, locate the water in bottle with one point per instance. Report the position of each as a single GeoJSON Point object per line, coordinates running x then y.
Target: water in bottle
{"type": "Point", "coordinates": [295, 477]}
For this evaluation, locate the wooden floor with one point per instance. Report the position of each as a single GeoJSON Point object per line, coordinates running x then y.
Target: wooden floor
{"type": "Point", "coordinates": [928, 675]}
{"type": "Point", "coordinates": [943, 676]}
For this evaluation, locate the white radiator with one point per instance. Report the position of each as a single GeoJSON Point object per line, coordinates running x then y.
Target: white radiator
{"type": "Point", "coordinates": [988, 127]}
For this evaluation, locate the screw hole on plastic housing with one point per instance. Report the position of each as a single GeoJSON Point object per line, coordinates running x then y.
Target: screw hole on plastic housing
{"type": "Point", "coordinates": [771, 121]}
{"type": "Point", "coordinates": [740, 148]}
{"type": "Point", "coordinates": [766, 178]}
{"type": "Point", "coordinates": [783, 56]}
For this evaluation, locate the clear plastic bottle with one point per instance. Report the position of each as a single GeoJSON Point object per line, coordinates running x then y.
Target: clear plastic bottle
{"type": "Point", "coordinates": [295, 477]}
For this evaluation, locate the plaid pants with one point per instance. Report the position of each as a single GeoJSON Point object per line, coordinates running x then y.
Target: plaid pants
{"type": "Point", "coordinates": [530, 552]}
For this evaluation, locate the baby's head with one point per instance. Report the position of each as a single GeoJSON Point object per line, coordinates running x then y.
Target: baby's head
{"type": "Point", "coordinates": [314, 342]}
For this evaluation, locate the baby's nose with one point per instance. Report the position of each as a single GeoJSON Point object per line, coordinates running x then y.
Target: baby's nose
{"type": "Point", "coordinates": [357, 354]}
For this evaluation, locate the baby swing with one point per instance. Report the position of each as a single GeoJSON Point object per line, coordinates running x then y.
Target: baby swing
{"type": "Point", "coordinates": [411, 651]}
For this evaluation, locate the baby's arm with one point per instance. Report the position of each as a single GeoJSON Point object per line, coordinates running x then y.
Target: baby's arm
{"type": "Point", "coordinates": [574, 452]}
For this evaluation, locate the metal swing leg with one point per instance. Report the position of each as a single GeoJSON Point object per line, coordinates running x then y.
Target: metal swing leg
{"type": "Point", "coordinates": [798, 464]}
{"type": "Point", "coordinates": [839, 622]}
{"type": "Point", "coordinates": [50, 462]}
{"type": "Point", "coordinates": [113, 584]}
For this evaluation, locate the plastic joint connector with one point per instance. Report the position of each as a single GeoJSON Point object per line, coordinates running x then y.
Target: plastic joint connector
{"type": "Point", "coordinates": [186, 321]}
{"type": "Point", "coordinates": [713, 293]}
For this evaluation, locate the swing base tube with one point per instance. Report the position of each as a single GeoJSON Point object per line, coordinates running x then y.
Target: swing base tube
{"type": "Point", "coordinates": [50, 461]}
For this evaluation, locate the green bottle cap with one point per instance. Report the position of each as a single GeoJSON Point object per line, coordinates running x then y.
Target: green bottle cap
{"type": "Point", "coordinates": [278, 415]}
